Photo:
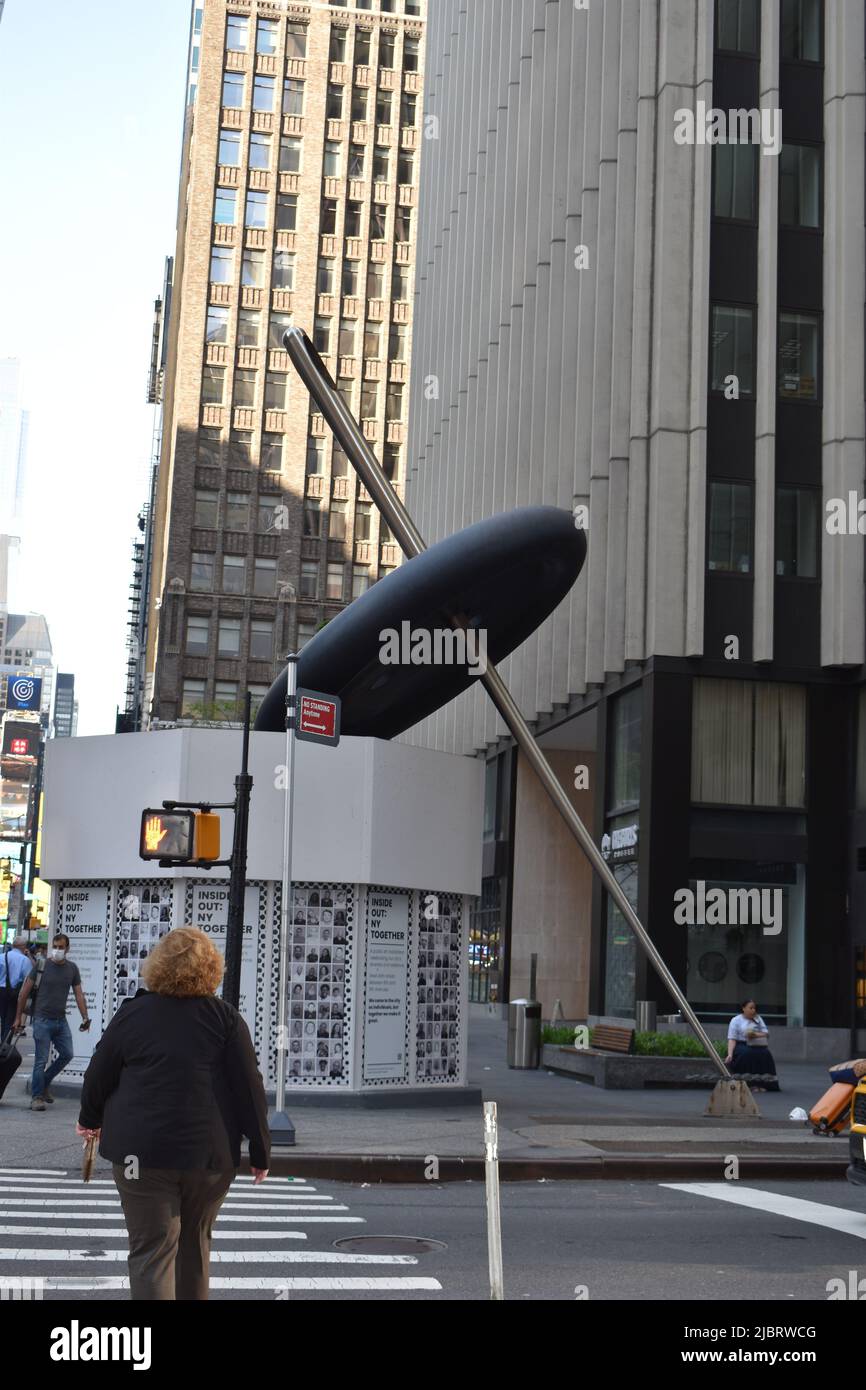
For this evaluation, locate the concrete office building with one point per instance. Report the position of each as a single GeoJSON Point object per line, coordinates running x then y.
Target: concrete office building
{"type": "Point", "coordinates": [624, 318]}
{"type": "Point", "coordinates": [65, 706]}
{"type": "Point", "coordinates": [298, 204]}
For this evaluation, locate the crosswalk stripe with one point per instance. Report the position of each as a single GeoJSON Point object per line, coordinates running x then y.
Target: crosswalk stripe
{"type": "Point", "coordinates": [32, 1175]}
{"type": "Point", "coordinates": [406, 1284]}
{"type": "Point", "coordinates": [259, 1257]}
{"type": "Point", "coordinates": [777, 1204]}
{"type": "Point", "coordinates": [7, 1214]}
{"type": "Point", "coordinates": [120, 1233]}
{"type": "Point", "coordinates": [284, 1198]}
{"type": "Point", "coordinates": [34, 1172]}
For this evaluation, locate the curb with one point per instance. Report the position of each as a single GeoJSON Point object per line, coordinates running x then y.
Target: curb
{"type": "Point", "coordinates": [403, 1168]}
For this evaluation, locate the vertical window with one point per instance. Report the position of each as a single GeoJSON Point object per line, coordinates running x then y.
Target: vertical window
{"type": "Point", "coordinates": [798, 356]}
{"type": "Point", "coordinates": [356, 161]}
{"type": "Point", "coordinates": [383, 107]}
{"type": "Point", "coordinates": [275, 390]}
{"type": "Point", "coordinates": [260, 151]}
{"type": "Point", "coordinates": [266, 516]}
{"type": "Point", "coordinates": [737, 25]}
{"type": "Point", "coordinates": [225, 207]}
{"type": "Point", "coordinates": [337, 521]}
{"type": "Point", "coordinates": [245, 387]}
{"type": "Point", "coordinates": [381, 163]}
{"type": "Point", "coordinates": [233, 89]}
{"type": "Point", "coordinates": [387, 43]}
{"type": "Point", "coordinates": [258, 693]}
{"type": "Point", "coordinates": [213, 385]}
{"type": "Point", "coordinates": [411, 54]}
{"type": "Point", "coordinates": [279, 324]}
{"type": "Point", "coordinates": [359, 104]}
{"type": "Point", "coordinates": [391, 461]}
{"type": "Point", "coordinates": [730, 526]}
{"type": "Point", "coordinates": [405, 169]}
{"type": "Point", "coordinates": [197, 635]}
{"type": "Point", "coordinates": [326, 276]}
{"type": "Point", "coordinates": [400, 282]}
{"type": "Point", "coordinates": [353, 219]}
{"type": "Point", "coordinates": [403, 225]}
{"type": "Point", "coordinates": [398, 342]}
{"type": "Point", "coordinates": [230, 147]}
{"type": "Point", "coordinates": [284, 270]}
{"type": "Point", "coordinates": [237, 511]}
{"type": "Point", "coordinates": [249, 328]}
{"type": "Point", "coordinates": [351, 279]}
{"type": "Point", "coordinates": [625, 736]}
{"type": "Point", "coordinates": [735, 169]}
{"type": "Point", "coordinates": [201, 571]}
{"type": "Point", "coordinates": [263, 93]}
{"type": "Point", "coordinates": [337, 53]}
{"type": "Point", "coordinates": [339, 464]}
{"type": "Point", "coordinates": [267, 36]}
{"type": "Point", "coordinates": [363, 521]}
{"type": "Point", "coordinates": [192, 699]}
{"type": "Point", "coordinates": [373, 340]}
{"type": "Point", "coordinates": [237, 33]}
{"type": "Point", "coordinates": [312, 517]}
{"type": "Point", "coordinates": [309, 579]}
{"type": "Point", "coordinates": [293, 97]}
{"type": "Point", "coordinates": [265, 577]}
{"type": "Point", "coordinates": [221, 265]}
{"type": "Point", "coordinates": [272, 453]}
{"type": "Point", "coordinates": [253, 269]}
{"type": "Point", "coordinates": [217, 330]}
{"type": "Point", "coordinates": [331, 163]}
{"type": "Point", "coordinates": [800, 186]}
{"type": "Point", "coordinates": [732, 348]}
{"type": "Point", "coordinates": [797, 532]}
{"type": "Point", "coordinates": [241, 448]}
{"type": "Point", "coordinates": [801, 31]}
{"type": "Point", "coordinates": [315, 456]}
{"type": "Point", "coordinates": [334, 104]}
{"type": "Point", "coordinates": [362, 47]}
{"type": "Point", "coordinates": [205, 513]}
{"type": "Point", "coordinates": [226, 698]}
{"type": "Point", "coordinates": [306, 633]}
{"type": "Point", "coordinates": [748, 743]}
{"type": "Point", "coordinates": [334, 586]}
{"type": "Point", "coordinates": [287, 212]}
{"type": "Point", "coordinates": [360, 580]}
{"type": "Point", "coordinates": [296, 40]}
{"type": "Point", "coordinates": [234, 574]}
{"type": "Point", "coordinates": [329, 216]}
{"type": "Point", "coordinates": [229, 637]}
{"type": "Point", "coordinates": [290, 155]}
{"type": "Point", "coordinates": [322, 335]}
{"type": "Point", "coordinates": [369, 400]}
{"type": "Point", "coordinates": [261, 640]}
{"type": "Point", "coordinates": [209, 445]}
{"type": "Point", "coordinates": [375, 281]}
{"type": "Point", "coordinates": [256, 214]}
{"type": "Point", "coordinates": [409, 109]}
{"type": "Point", "coordinates": [347, 339]}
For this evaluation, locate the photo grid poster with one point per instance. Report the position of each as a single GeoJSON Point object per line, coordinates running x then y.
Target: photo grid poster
{"type": "Point", "coordinates": [83, 916]}
{"type": "Point", "coordinates": [440, 962]}
{"type": "Point", "coordinates": [319, 961]}
{"type": "Point", "coordinates": [144, 916]}
{"type": "Point", "coordinates": [385, 986]}
{"type": "Point", "coordinates": [209, 911]}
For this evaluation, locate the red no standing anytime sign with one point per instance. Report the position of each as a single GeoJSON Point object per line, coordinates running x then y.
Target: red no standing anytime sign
{"type": "Point", "coordinates": [318, 717]}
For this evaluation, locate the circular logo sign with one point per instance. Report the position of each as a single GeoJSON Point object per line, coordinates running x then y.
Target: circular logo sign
{"type": "Point", "coordinates": [22, 690]}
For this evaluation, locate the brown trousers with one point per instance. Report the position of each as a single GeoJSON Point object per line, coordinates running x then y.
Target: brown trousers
{"type": "Point", "coordinates": [170, 1213]}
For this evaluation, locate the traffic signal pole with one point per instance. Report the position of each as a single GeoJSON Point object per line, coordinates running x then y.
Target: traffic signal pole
{"type": "Point", "coordinates": [314, 374]}
{"type": "Point", "coordinates": [238, 873]}
{"type": "Point", "coordinates": [281, 1128]}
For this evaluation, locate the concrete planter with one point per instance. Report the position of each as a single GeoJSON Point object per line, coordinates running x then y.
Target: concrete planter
{"type": "Point", "coordinates": [616, 1072]}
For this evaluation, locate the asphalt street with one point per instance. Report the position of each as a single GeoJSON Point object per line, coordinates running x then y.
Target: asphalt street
{"type": "Point", "coordinates": [610, 1241]}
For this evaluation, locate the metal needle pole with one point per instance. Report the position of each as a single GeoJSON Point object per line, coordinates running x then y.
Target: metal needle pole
{"type": "Point", "coordinates": [282, 1129]}
{"type": "Point", "coordinates": [314, 375]}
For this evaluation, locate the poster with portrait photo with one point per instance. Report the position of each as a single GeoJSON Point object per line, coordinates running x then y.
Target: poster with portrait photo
{"type": "Point", "coordinates": [315, 998]}
{"type": "Point", "coordinates": [437, 988]}
{"type": "Point", "coordinates": [144, 914]}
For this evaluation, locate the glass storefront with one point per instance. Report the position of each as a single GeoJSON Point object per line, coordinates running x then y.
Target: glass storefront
{"type": "Point", "coordinates": [619, 845]}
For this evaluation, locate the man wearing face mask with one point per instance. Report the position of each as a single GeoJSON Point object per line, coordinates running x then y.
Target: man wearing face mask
{"type": "Point", "coordinates": [49, 1018]}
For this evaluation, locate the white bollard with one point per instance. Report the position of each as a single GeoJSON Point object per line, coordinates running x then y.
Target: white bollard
{"type": "Point", "coordinates": [491, 1178]}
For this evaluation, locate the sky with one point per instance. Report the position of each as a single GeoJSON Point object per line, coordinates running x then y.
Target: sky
{"type": "Point", "coordinates": [91, 110]}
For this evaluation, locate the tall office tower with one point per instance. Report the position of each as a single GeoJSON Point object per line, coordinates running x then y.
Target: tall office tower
{"type": "Point", "coordinates": [14, 423]}
{"type": "Point", "coordinates": [65, 706]}
{"type": "Point", "coordinates": [298, 205]}
{"type": "Point", "coordinates": [662, 329]}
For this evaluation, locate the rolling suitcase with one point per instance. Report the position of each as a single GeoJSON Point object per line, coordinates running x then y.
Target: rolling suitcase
{"type": "Point", "coordinates": [10, 1061]}
{"type": "Point", "coordinates": [830, 1115]}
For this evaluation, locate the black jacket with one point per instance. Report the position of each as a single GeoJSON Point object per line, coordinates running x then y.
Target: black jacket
{"type": "Point", "coordinates": [175, 1083]}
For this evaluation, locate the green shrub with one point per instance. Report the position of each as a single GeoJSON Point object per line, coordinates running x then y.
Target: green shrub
{"type": "Point", "coordinates": [563, 1036]}
{"type": "Point", "coordinates": [672, 1045]}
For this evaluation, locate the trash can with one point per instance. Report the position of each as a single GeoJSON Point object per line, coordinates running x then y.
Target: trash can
{"type": "Point", "coordinates": [524, 1033]}
{"type": "Point", "coordinates": [645, 1015]}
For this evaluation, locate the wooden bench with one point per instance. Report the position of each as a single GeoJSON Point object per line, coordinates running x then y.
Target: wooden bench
{"type": "Point", "coordinates": [608, 1039]}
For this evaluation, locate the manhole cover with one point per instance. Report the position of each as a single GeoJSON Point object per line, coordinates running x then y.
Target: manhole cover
{"type": "Point", "coordinates": [389, 1245]}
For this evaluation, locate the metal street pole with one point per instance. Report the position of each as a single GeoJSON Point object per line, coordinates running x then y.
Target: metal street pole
{"type": "Point", "coordinates": [314, 374]}
{"type": "Point", "coordinates": [238, 871]}
{"type": "Point", "coordinates": [281, 1128]}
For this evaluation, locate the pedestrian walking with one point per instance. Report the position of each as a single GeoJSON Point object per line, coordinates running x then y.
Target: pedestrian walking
{"type": "Point", "coordinates": [59, 976]}
{"type": "Point", "coordinates": [15, 966]}
{"type": "Point", "coordinates": [172, 1087]}
{"type": "Point", "coordinates": [749, 1052]}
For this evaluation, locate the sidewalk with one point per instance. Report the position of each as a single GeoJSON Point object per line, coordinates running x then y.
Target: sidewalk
{"type": "Point", "coordinates": [549, 1125]}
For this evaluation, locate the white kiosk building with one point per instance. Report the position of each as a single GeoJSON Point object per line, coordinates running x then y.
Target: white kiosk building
{"type": "Point", "coordinates": [386, 858]}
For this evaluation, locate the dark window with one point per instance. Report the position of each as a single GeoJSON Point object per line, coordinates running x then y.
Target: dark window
{"type": "Point", "coordinates": [732, 348]}
{"type": "Point", "coordinates": [625, 735]}
{"type": "Point", "coordinates": [296, 40]}
{"type": "Point", "coordinates": [337, 52]}
{"type": "Point", "coordinates": [359, 104]}
{"type": "Point", "coordinates": [798, 356]}
{"type": "Point", "coordinates": [735, 170]}
{"type": "Point", "coordinates": [737, 25]}
{"type": "Point", "coordinates": [797, 532]}
{"type": "Point", "coordinates": [287, 212]}
{"type": "Point", "coordinates": [293, 97]}
{"type": "Point", "coordinates": [801, 31]}
{"type": "Point", "coordinates": [334, 109]}
{"type": "Point", "coordinates": [353, 219]}
{"type": "Point", "coordinates": [730, 525]}
{"type": "Point", "coordinates": [800, 186]}
{"type": "Point", "coordinates": [329, 216]}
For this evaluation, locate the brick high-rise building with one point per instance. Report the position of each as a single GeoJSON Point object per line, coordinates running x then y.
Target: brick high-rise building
{"type": "Point", "coordinates": [298, 202]}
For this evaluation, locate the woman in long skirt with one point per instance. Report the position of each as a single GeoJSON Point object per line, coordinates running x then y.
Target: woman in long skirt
{"type": "Point", "coordinates": [749, 1053]}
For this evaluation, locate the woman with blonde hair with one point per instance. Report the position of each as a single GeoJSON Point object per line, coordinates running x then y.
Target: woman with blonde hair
{"type": "Point", "coordinates": [171, 1088]}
